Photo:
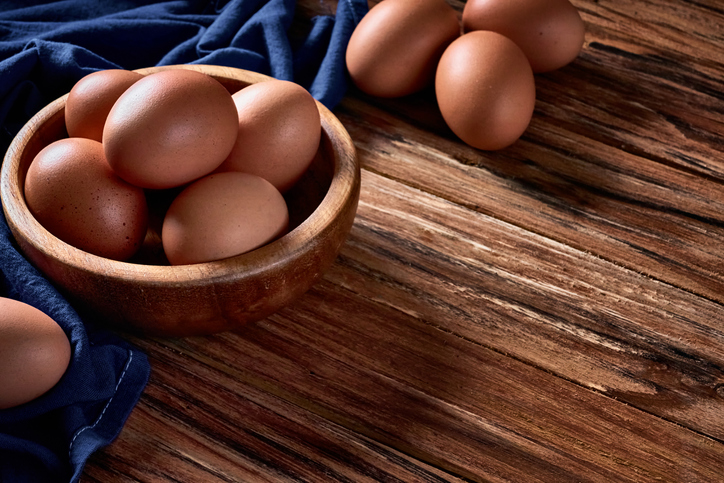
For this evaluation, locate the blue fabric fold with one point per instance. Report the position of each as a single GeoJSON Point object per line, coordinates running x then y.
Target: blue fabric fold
{"type": "Point", "coordinates": [45, 47]}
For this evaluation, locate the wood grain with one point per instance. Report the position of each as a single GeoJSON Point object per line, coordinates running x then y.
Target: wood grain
{"type": "Point", "coordinates": [400, 354]}
{"type": "Point", "coordinates": [540, 301]}
{"type": "Point", "coordinates": [566, 180]}
{"type": "Point", "coordinates": [195, 424]}
{"type": "Point", "coordinates": [550, 312]}
{"type": "Point", "coordinates": [623, 156]}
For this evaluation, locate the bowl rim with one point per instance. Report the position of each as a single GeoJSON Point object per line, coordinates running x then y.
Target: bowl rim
{"type": "Point", "coordinates": [244, 265]}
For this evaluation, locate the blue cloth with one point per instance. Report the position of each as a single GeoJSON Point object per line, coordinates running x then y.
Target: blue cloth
{"type": "Point", "coordinates": [45, 47]}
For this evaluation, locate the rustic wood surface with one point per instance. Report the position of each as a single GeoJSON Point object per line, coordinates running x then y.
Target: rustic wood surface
{"type": "Point", "coordinates": [550, 312]}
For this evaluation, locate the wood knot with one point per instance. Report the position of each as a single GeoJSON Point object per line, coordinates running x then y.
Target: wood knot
{"type": "Point", "coordinates": [719, 389]}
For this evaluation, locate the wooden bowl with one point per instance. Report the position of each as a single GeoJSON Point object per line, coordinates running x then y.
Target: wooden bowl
{"type": "Point", "coordinates": [144, 295]}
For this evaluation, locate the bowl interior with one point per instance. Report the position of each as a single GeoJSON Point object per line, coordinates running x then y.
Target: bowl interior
{"type": "Point", "coordinates": [302, 199]}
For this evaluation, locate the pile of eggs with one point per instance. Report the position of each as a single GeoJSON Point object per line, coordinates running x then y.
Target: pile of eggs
{"type": "Point", "coordinates": [227, 159]}
{"type": "Point", "coordinates": [483, 70]}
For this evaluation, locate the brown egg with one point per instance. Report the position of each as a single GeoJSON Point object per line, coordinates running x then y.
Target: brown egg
{"type": "Point", "coordinates": [485, 90]}
{"type": "Point", "coordinates": [550, 32]}
{"type": "Point", "coordinates": [91, 99]}
{"type": "Point", "coordinates": [34, 353]}
{"type": "Point", "coordinates": [74, 194]}
{"type": "Point", "coordinates": [170, 128]}
{"type": "Point", "coordinates": [393, 51]}
{"type": "Point", "coordinates": [279, 132]}
{"type": "Point", "coordinates": [223, 215]}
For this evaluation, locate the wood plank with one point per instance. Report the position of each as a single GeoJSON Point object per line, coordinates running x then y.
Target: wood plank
{"type": "Point", "coordinates": [194, 424]}
{"type": "Point", "coordinates": [481, 415]}
{"type": "Point", "coordinates": [565, 311]}
{"type": "Point", "coordinates": [549, 312]}
{"type": "Point", "coordinates": [650, 217]}
{"type": "Point", "coordinates": [624, 156]}
{"type": "Point", "coordinates": [674, 28]}
{"type": "Point", "coordinates": [439, 337]}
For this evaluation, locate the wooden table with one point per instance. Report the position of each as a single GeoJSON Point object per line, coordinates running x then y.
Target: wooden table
{"type": "Point", "coordinates": [549, 312]}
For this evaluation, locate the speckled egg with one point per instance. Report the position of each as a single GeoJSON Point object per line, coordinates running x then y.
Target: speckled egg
{"type": "Point", "coordinates": [72, 191]}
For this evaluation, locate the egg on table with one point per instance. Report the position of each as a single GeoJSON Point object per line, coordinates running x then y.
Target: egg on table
{"type": "Point", "coordinates": [394, 49]}
{"type": "Point", "coordinates": [34, 353]}
{"type": "Point", "coordinates": [549, 32]}
{"type": "Point", "coordinates": [485, 89]}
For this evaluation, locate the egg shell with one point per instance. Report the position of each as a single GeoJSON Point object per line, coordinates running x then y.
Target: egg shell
{"type": "Point", "coordinates": [279, 132]}
{"type": "Point", "coordinates": [170, 128]}
{"type": "Point", "coordinates": [223, 215]}
{"type": "Point", "coordinates": [76, 196]}
{"type": "Point", "coordinates": [394, 49]}
{"type": "Point", "coordinates": [34, 353]}
{"type": "Point", "coordinates": [550, 32]}
{"type": "Point", "coordinates": [485, 90]}
{"type": "Point", "coordinates": [91, 99]}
